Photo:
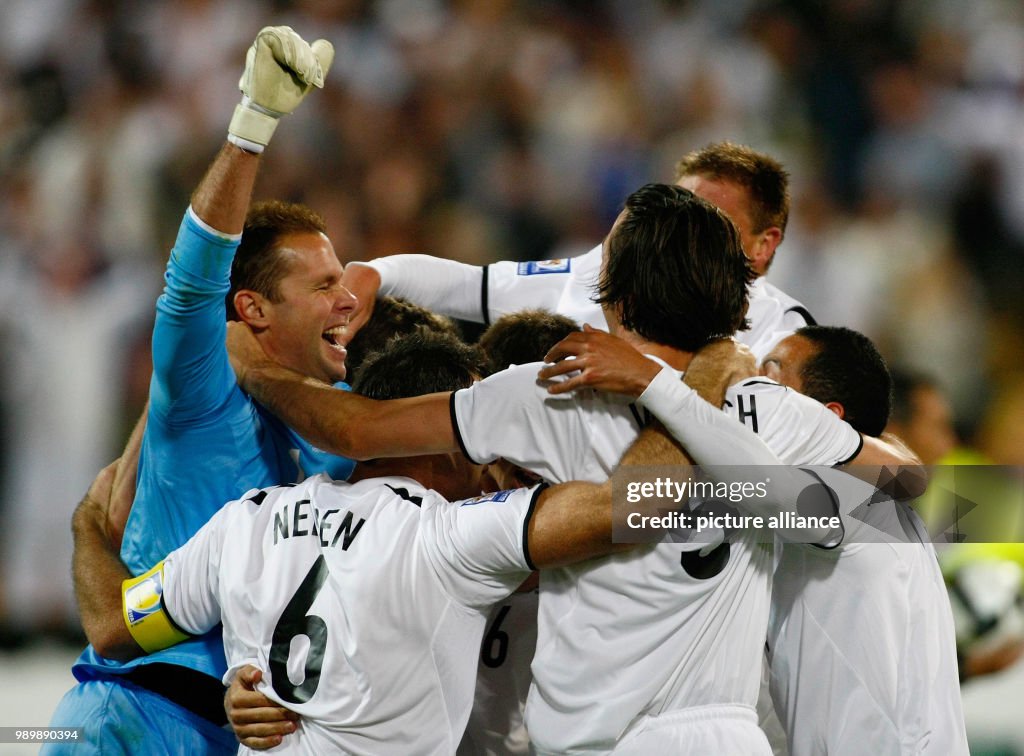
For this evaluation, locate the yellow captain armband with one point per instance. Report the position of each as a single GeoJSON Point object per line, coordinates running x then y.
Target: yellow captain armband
{"type": "Point", "coordinates": [142, 606]}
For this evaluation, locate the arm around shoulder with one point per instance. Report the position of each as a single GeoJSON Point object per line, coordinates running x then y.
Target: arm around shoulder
{"type": "Point", "coordinates": [98, 573]}
{"type": "Point", "coordinates": [890, 464]}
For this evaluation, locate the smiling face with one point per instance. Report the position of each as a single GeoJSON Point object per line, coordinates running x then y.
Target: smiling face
{"type": "Point", "coordinates": [303, 326]}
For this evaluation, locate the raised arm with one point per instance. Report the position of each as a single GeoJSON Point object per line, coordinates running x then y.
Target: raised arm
{"type": "Point", "coordinates": [191, 373]}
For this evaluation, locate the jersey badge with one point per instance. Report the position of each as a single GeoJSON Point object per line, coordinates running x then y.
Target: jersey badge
{"type": "Point", "coordinates": [497, 497]}
{"type": "Point", "coordinates": [540, 267]}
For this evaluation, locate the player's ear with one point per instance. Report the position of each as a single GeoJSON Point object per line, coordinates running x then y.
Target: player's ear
{"type": "Point", "coordinates": [251, 307]}
{"type": "Point", "coordinates": [764, 248]}
{"type": "Point", "coordinates": [837, 408]}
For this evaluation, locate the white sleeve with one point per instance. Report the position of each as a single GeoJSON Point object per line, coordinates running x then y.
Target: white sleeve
{"type": "Point", "coordinates": [710, 436]}
{"type": "Point", "coordinates": [444, 286]}
{"type": "Point", "coordinates": [516, 286]}
{"type": "Point", "coordinates": [192, 578]}
{"type": "Point", "coordinates": [471, 292]}
{"type": "Point", "coordinates": [478, 546]}
{"type": "Point", "coordinates": [511, 415]}
{"type": "Point", "coordinates": [797, 428]}
{"type": "Point", "coordinates": [728, 451]}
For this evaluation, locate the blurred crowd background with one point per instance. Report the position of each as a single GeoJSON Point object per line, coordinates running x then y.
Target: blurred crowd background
{"type": "Point", "coordinates": [483, 130]}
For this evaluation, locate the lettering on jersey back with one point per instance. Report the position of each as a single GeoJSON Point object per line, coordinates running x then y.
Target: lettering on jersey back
{"type": "Point", "coordinates": [744, 413]}
{"type": "Point", "coordinates": [300, 519]}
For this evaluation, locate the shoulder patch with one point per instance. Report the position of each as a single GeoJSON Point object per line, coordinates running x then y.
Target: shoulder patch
{"type": "Point", "coordinates": [540, 267]}
{"type": "Point", "coordinates": [497, 497]}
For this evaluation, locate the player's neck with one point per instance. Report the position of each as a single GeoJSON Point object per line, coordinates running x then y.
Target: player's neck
{"type": "Point", "coordinates": [429, 470]}
{"type": "Point", "coordinates": [675, 358]}
{"type": "Point", "coordinates": [399, 467]}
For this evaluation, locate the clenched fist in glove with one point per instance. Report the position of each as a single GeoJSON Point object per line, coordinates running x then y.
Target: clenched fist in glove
{"type": "Point", "coordinates": [280, 68]}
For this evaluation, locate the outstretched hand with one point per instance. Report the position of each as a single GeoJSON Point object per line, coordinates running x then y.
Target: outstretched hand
{"type": "Point", "coordinates": [258, 722]}
{"type": "Point", "coordinates": [598, 361]}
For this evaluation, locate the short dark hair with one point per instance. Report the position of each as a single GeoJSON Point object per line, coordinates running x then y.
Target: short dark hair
{"type": "Point", "coordinates": [847, 368]}
{"type": "Point", "coordinates": [259, 265]}
{"type": "Point", "coordinates": [676, 269]}
{"type": "Point", "coordinates": [523, 337]}
{"type": "Point", "coordinates": [391, 318]}
{"type": "Point", "coordinates": [419, 363]}
{"type": "Point", "coordinates": [762, 176]}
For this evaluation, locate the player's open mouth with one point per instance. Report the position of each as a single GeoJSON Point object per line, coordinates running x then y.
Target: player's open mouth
{"type": "Point", "coordinates": [333, 338]}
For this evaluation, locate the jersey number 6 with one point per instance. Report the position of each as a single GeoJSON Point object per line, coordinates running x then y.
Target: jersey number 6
{"type": "Point", "coordinates": [495, 646]}
{"type": "Point", "coordinates": [295, 621]}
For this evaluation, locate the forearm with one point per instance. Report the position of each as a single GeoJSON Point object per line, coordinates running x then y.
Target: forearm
{"type": "Point", "coordinates": [350, 425]}
{"type": "Point", "coordinates": [222, 198]}
{"type": "Point", "coordinates": [572, 522]}
{"type": "Point", "coordinates": [445, 286]}
{"type": "Point", "coordinates": [97, 572]}
{"type": "Point", "coordinates": [655, 446]}
{"type": "Point", "coordinates": [905, 477]}
{"type": "Point", "coordinates": [728, 451]}
{"type": "Point", "coordinates": [575, 521]}
{"type": "Point", "coordinates": [709, 435]}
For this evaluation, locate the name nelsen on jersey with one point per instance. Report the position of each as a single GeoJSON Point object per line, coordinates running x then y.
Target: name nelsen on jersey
{"type": "Point", "coordinates": [300, 519]}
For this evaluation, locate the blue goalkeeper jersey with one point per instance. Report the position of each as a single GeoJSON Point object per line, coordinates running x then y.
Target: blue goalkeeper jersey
{"type": "Point", "coordinates": [206, 441]}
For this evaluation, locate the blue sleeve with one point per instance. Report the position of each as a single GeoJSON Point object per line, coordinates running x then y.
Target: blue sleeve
{"type": "Point", "coordinates": [191, 371]}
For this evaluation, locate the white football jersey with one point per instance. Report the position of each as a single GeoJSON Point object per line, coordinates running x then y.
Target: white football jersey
{"type": "Point", "coordinates": [661, 628]}
{"type": "Point", "coordinates": [875, 672]}
{"type": "Point", "coordinates": [496, 726]}
{"type": "Point", "coordinates": [567, 287]}
{"type": "Point", "coordinates": [363, 603]}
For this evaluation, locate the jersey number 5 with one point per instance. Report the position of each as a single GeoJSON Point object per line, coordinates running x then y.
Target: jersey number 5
{"type": "Point", "coordinates": [295, 621]}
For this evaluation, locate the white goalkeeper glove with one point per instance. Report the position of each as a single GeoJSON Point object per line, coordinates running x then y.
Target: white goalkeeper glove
{"type": "Point", "coordinates": [280, 68]}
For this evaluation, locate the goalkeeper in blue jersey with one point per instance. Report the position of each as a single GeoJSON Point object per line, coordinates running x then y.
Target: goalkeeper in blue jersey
{"type": "Point", "coordinates": [273, 267]}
